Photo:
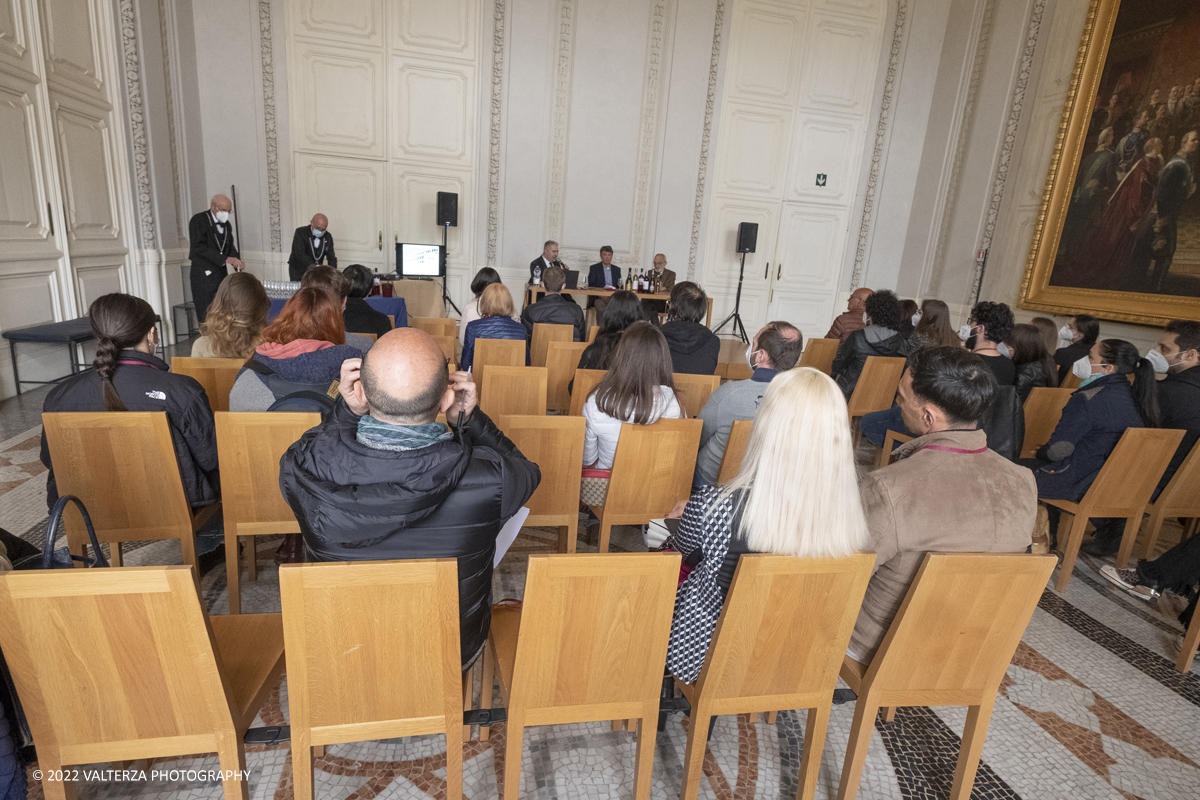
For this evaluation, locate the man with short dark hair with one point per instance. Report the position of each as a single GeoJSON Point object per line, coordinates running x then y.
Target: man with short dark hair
{"type": "Point", "coordinates": [548, 259]}
{"type": "Point", "coordinates": [383, 480]}
{"type": "Point", "coordinates": [881, 337]}
{"type": "Point", "coordinates": [775, 348]}
{"type": "Point", "coordinates": [603, 275]}
{"type": "Point", "coordinates": [694, 348]}
{"type": "Point", "coordinates": [553, 309]}
{"type": "Point", "coordinates": [946, 491]}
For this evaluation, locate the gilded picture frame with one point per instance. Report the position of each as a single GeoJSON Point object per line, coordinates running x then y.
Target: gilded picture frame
{"type": "Point", "coordinates": [1076, 134]}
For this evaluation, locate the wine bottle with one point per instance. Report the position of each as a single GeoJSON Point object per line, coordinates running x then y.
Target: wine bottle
{"type": "Point", "coordinates": [629, 282]}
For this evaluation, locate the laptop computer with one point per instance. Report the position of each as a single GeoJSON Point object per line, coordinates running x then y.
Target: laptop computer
{"type": "Point", "coordinates": [572, 279]}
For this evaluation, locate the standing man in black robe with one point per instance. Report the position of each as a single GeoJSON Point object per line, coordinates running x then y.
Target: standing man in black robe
{"type": "Point", "coordinates": [213, 251]}
{"type": "Point", "coordinates": [312, 244]}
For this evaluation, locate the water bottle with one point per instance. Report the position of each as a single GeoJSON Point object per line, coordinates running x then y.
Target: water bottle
{"type": "Point", "coordinates": [537, 275]}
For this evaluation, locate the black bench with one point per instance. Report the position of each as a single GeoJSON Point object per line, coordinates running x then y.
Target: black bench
{"type": "Point", "coordinates": [72, 333]}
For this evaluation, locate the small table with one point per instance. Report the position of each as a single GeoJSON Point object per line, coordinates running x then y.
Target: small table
{"type": "Point", "coordinates": [531, 293]}
{"type": "Point", "coordinates": [423, 298]}
{"type": "Point", "coordinates": [72, 333]}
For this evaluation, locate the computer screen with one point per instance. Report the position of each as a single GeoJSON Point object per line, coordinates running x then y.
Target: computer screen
{"type": "Point", "coordinates": [419, 260]}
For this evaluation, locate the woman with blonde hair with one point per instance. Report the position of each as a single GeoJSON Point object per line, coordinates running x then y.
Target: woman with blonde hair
{"type": "Point", "coordinates": [796, 494]}
{"type": "Point", "coordinates": [495, 322]}
{"type": "Point", "coordinates": [233, 326]}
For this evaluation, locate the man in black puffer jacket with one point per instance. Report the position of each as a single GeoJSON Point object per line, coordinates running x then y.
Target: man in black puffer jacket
{"type": "Point", "coordinates": [382, 480]}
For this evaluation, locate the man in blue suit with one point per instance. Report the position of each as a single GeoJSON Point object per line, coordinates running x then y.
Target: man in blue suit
{"type": "Point", "coordinates": [603, 276]}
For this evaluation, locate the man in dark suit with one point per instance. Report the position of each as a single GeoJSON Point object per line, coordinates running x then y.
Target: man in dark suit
{"type": "Point", "coordinates": [553, 309]}
{"type": "Point", "coordinates": [603, 276]}
{"type": "Point", "coordinates": [311, 244]}
{"type": "Point", "coordinates": [548, 259]}
{"type": "Point", "coordinates": [212, 252]}
{"type": "Point", "coordinates": [666, 282]}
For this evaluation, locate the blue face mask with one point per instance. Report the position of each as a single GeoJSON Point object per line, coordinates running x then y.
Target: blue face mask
{"type": "Point", "coordinates": [318, 234]}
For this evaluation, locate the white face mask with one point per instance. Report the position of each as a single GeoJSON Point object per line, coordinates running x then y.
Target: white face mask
{"type": "Point", "coordinates": [1158, 360]}
{"type": "Point", "coordinates": [750, 351]}
{"type": "Point", "coordinates": [1004, 351]}
{"type": "Point", "coordinates": [1066, 334]}
{"type": "Point", "coordinates": [318, 234]}
{"type": "Point", "coordinates": [1082, 368]}
{"type": "Point", "coordinates": [866, 319]}
{"type": "Point", "coordinates": [916, 318]}
{"type": "Point", "coordinates": [222, 216]}
{"type": "Point", "coordinates": [964, 332]}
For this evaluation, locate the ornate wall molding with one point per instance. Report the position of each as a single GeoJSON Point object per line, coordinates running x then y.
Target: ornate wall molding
{"type": "Point", "coordinates": [495, 129]}
{"type": "Point", "coordinates": [164, 32]}
{"type": "Point", "coordinates": [268, 85]}
{"type": "Point", "coordinates": [560, 117]}
{"type": "Point", "coordinates": [899, 35]}
{"type": "Point", "coordinates": [648, 136]}
{"type": "Point", "coordinates": [131, 66]}
{"type": "Point", "coordinates": [710, 103]}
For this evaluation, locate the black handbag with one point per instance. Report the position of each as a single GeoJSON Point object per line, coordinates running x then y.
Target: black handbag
{"type": "Point", "coordinates": [50, 558]}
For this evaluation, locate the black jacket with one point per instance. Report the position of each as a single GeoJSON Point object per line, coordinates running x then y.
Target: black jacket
{"type": "Point", "coordinates": [694, 348]}
{"type": "Point", "coordinates": [859, 345]}
{"type": "Point", "coordinates": [1179, 404]}
{"type": "Point", "coordinates": [538, 262]}
{"type": "Point", "coordinates": [148, 385]}
{"type": "Point", "coordinates": [596, 275]}
{"type": "Point", "coordinates": [209, 248]}
{"type": "Point", "coordinates": [1004, 423]}
{"type": "Point", "coordinates": [552, 309]}
{"type": "Point", "coordinates": [1031, 376]}
{"type": "Point", "coordinates": [361, 318]}
{"type": "Point", "coordinates": [1065, 357]}
{"type": "Point", "coordinates": [304, 252]}
{"type": "Point", "coordinates": [355, 503]}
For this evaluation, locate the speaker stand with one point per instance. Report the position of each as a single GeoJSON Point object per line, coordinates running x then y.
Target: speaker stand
{"type": "Point", "coordinates": [445, 296]}
{"type": "Point", "coordinates": [738, 328]}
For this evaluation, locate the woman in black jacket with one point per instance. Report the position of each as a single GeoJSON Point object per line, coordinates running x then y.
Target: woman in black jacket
{"type": "Point", "coordinates": [1035, 366]}
{"type": "Point", "coordinates": [1082, 331]}
{"type": "Point", "coordinates": [357, 313]}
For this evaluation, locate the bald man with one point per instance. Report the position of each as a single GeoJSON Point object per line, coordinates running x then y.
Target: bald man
{"type": "Point", "coordinates": [213, 251]}
{"type": "Point", "coordinates": [312, 244]}
{"type": "Point", "coordinates": [851, 319]}
{"type": "Point", "coordinates": [382, 479]}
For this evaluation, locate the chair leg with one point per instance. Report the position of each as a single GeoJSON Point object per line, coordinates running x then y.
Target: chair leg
{"type": "Point", "coordinates": [646, 734]}
{"type": "Point", "coordinates": [814, 744]}
{"type": "Point", "coordinates": [693, 759]}
{"type": "Point", "coordinates": [468, 686]}
{"type": "Point", "coordinates": [1190, 640]}
{"type": "Point", "coordinates": [572, 534]}
{"type": "Point", "coordinates": [974, 735]}
{"type": "Point", "coordinates": [618, 725]}
{"type": "Point", "coordinates": [231, 753]}
{"type": "Point", "coordinates": [114, 554]}
{"type": "Point", "coordinates": [233, 572]}
{"type": "Point", "coordinates": [512, 756]}
{"type": "Point", "coordinates": [454, 761]}
{"type": "Point", "coordinates": [889, 713]}
{"type": "Point", "coordinates": [251, 560]}
{"type": "Point", "coordinates": [772, 716]}
{"type": "Point", "coordinates": [1153, 529]}
{"type": "Point", "coordinates": [1128, 538]}
{"type": "Point", "coordinates": [55, 790]}
{"type": "Point", "coordinates": [318, 751]}
{"type": "Point", "coordinates": [188, 543]}
{"type": "Point", "coordinates": [302, 765]}
{"type": "Point", "coordinates": [1070, 550]}
{"type": "Point", "coordinates": [605, 532]}
{"type": "Point", "coordinates": [856, 751]}
{"type": "Point", "coordinates": [486, 690]}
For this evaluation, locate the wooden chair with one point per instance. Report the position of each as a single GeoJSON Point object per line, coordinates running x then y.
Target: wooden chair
{"type": "Point", "coordinates": [545, 333]}
{"type": "Point", "coordinates": [556, 445]}
{"type": "Point", "coordinates": [447, 343]}
{"type": "Point", "coordinates": [1070, 382]}
{"type": "Point", "coordinates": [434, 326]}
{"type": "Point", "coordinates": [391, 319]}
{"type": "Point", "coordinates": [950, 644]}
{"type": "Point", "coordinates": [372, 336]}
{"type": "Point", "coordinates": [652, 471]}
{"type": "Point", "coordinates": [124, 664]}
{"type": "Point", "coordinates": [1043, 408]}
{"type": "Point", "coordinates": [694, 390]}
{"type": "Point", "coordinates": [497, 352]}
{"type": "Point", "coordinates": [373, 653]}
{"type": "Point", "coordinates": [562, 359]}
{"type": "Point", "coordinates": [876, 388]}
{"type": "Point", "coordinates": [585, 381]}
{"type": "Point", "coordinates": [592, 331]}
{"type": "Point", "coordinates": [735, 450]}
{"type": "Point", "coordinates": [819, 354]}
{"type": "Point", "coordinates": [779, 644]}
{"type": "Point", "coordinates": [738, 372]}
{"type": "Point", "coordinates": [1122, 489]}
{"type": "Point", "coordinates": [249, 446]}
{"type": "Point", "coordinates": [123, 467]}
{"type": "Point", "coordinates": [1179, 498]}
{"type": "Point", "coordinates": [893, 438]}
{"type": "Point", "coordinates": [216, 375]}
{"type": "Point", "coordinates": [588, 644]}
{"type": "Point", "coordinates": [513, 390]}
{"type": "Point", "coordinates": [1191, 640]}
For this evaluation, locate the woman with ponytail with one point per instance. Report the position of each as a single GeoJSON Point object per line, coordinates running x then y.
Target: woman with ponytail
{"type": "Point", "coordinates": [127, 376]}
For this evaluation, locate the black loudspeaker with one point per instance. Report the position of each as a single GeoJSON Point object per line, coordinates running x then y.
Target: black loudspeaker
{"type": "Point", "coordinates": [747, 236]}
{"type": "Point", "coordinates": [448, 209]}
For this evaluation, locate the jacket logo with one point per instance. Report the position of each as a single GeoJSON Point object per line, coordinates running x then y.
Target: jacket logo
{"type": "Point", "coordinates": [157, 395]}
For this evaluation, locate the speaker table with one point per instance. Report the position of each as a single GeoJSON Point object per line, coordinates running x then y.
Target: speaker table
{"type": "Point", "coordinates": [531, 293]}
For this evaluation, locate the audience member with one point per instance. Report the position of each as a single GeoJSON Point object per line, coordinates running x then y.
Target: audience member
{"type": "Point", "coordinates": [1049, 333]}
{"type": "Point", "coordinates": [933, 328]}
{"type": "Point", "coordinates": [1081, 332]}
{"type": "Point", "coordinates": [1035, 366]}
{"type": "Point", "coordinates": [1177, 570]}
{"type": "Point", "coordinates": [795, 495]}
{"type": "Point", "coordinates": [694, 348]}
{"type": "Point", "coordinates": [987, 327]}
{"type": "Point", "coordinates": [235, 319]}
{"type": "Point", "coordinates": [127, 376]}
{"type": "Point", "coordinates": [623, 310]}
{"type": "Point", "coordinates": [357, 313]}
{"type": "Point", "coordinates": [946, 492]}
{"type": "Point", "coordinates": [853, 319]}
{"type": "Point", "coordinates": [483, 279]}
{"type": "Point", "coordinates": [553, 309]}
{"type": "Point", "coordinates": [382, 480]}
{"type": "Point", "coordinates": [495, 322]}
{"type": "Point", "coordinates": [775, 349]}
{"type": "Point", "coordinates": [328, 278]}
{"type": "Point", "coordinates": [879, 338]}
{"type": "Point", "coordinates": [910, 314]}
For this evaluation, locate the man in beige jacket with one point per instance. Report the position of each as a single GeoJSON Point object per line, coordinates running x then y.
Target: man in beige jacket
{"type": "Point", "coordinates": [946, 492]}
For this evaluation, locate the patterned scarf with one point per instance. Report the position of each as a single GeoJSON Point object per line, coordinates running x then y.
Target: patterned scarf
{"type": "Point", "coordinates": [385, 436]}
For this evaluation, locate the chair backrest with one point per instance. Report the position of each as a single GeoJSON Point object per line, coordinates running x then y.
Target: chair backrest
{"type": "Point", "coordinates": [1070, 382]}
{"type": "Point", "coordinates": [585, 381]}
{"type": "Point", "coordinates": [555, 444]}
{"type": "Point", "coordinates": [592, 331]}
{"type": "Point", "coordinates": [372, 336]}
{"type": "Point", "coordinates": [392, 319]}
{"type": "Point", "coordinates": [694, 390]}
{"type": "Point", "coordinates": [652, 469]}
{"type": "Point", "coordinates": [497, 352]}
{"type": "Point", "coordinates": [122, 465]}
{"type": "Point", "coordinates": [735, 450]}
{"type": "Point", "coordinates": [447, 343]}
{"type": "Point", "coordinates": [216, 375]}
{"type": "Point", "coordinates": [738, 371]}
{"type": "Point", "coordinates": [1043, 407]}
{"type": "Point", "coordinates": [877, 384]}
{"type": "Point", "coordinates": [103, 658]}
{"type": "Point", "coordinates": [513, 390]}
{"type": "Point", "coordinates": [1131, 472]}
{"type": "Point", "coordinates": [434, 326]}
{"type": "Point", "coordinates": [562, 359]}
{"type": "Point", "coordinates": [784, 630]}
{"type": "Point", "coordinates": [819, 354]}
{"type": "Point", "coordinates": [892, 438]}
{"type": "Point", "coordinates": [958, 627]}
{"type": "Point", "coordinates": [543, 334]}
{"type": "Point", "coordinates": [249, 446]}
{"type": "Point", "coordinates": [372, 648]}
{"type": "Point", "coordinates": [1182, 494]}
{"type": "Point", "coordinates": [593, 636]}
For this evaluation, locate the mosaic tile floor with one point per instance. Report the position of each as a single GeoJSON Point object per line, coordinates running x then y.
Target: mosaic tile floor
{"type": "Point", "coordinates": [1091, 708]}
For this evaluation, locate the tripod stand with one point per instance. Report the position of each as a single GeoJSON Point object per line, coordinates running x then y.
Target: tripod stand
{"type": "Point", "coordinates": [738, 327]}
{"type": "Point", "coordinates": [445, 295]}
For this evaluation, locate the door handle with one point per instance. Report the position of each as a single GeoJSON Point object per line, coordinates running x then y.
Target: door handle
{"type": "Point", "coordinates": [767, 271]}
{"type": "Point", "coordinates": [381, 240]}
{"type": "Point", "coordinates": [779, 274]}
{"type": "Point", "coordinates": [50, 217]}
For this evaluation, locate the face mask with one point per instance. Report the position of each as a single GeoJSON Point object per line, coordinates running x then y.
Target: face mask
{"type": "Point", "coordinates": [750, 351]}
{"type": "Point", "coordinates": [964, 332]}
{"type": "Point", "coordinates": [318, 234]}
{"type": "Point", "coordinates": [1082, 369]}
{"type": "Point", "coordinates": [1066, 334]}
{"type": "Point", "coordinates": [866, 319]}
{"type": "Point", "coordinates": [916, 318]}
{"type": "Point", "coordinates": [1158, 361]}
{"type": "Point", "coordinates": [1004, 351]}
{"type": "Point", "coordinates": [222, 216]}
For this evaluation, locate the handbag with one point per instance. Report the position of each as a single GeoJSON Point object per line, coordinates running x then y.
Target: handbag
{"type": "Point", "coordinates": [593, 486]}
{"type": "Point", "coordinates": [50, 558]}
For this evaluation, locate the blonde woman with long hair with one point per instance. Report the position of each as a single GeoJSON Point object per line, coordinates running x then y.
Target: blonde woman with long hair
{"type": "Point", "coordinates": [796, 494]}
{"type": "Point", "coordinates": [233, 326]}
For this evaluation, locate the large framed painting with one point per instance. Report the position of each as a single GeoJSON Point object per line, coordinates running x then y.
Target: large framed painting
{"type": "Point", "coordinates": [1118, 235]}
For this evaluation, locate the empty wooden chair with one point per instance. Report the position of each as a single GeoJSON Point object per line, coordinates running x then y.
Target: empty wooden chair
{"type": "Point", "coordinates": [876, 387]}
{"type": "Point", "coordinates": [588, 644]}
{"type": "Point", "coordinates": [497, 352]}
{"type": "Point", "coordinates": [694, 390]}
{"type": "Point", "coordinates": [249, 446]}
{"type": "Point", "coordinates": [562, 359]}
{"type": "Point", "coordinates": [950, 644]}
{"type": "Point", "coordinates": [1179, 498]}
{"type": "Point", "coordinates": [779, 644]}
{"type": "Point", "coordinates": [893, 438]}
{"type": "Point", "coordinates": [513, 390]}
{"type": "Point", "coordinates": [556, 445]}
{"type": "Point", "coordinates": [123, 467]}
{"type": "Point", "coordinates": [1122, 489]}
{"type": "Point", "coordinates": [652, 471]}
{"type": "Point", "coordinates": [735, 450]}
{"type": "Point", "coordinates": [543, 334]}
{"type": "Point", "coordinates": [585, 381]}
{"type": "Point", "coordinates": [819, 354]}
{"type": "Point", "coordinates": [123, 664]}
{"type": "Point", "coordinates": [216, 375]}
{"type": "Point", "coordinates": [373, 653]}
{"type": "Point", "coordinates": [434, 326]}
{"type": "Point", "coordinates": [1043, 408]}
